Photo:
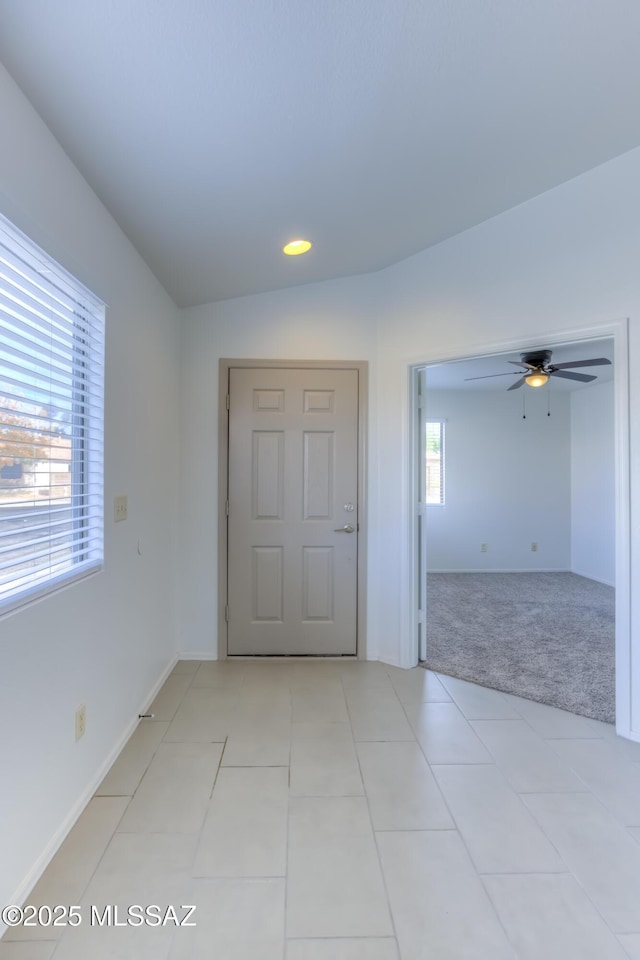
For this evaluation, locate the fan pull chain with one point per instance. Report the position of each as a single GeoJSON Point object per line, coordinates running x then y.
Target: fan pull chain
{"type": "Point", "coordinates": [524, 409]}
{"type": "Point", "coordinates": [548, 402]}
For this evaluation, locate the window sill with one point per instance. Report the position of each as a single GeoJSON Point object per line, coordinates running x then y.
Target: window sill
{"type": "Point", "coordinates": [29, 598]}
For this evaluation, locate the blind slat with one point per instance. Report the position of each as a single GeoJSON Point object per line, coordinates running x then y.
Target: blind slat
{"type": "Point", "coordinates": [51, 421]}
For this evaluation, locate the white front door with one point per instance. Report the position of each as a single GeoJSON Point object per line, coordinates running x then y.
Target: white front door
{"type": "Point", "coordinates": [293, 511]}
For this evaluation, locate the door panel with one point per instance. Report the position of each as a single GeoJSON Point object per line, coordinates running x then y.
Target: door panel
{"type": "Point", "coordinates": [267, 584]}
{"type": "Point", "coordinates": [318, 476]}
{"type": "Point", "coordinates": [293, 482]}
{"type": "Point", "coordinates": [317, 583]}
{"type": "Point", "coordinates": [267, 470]}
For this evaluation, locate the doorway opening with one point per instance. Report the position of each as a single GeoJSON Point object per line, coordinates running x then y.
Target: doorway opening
{"type": "Point", "coordinates": [522, 526]}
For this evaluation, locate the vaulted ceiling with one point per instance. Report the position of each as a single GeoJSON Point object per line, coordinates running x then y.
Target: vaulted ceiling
{"type": "Point", "coordinates": [216, 130]}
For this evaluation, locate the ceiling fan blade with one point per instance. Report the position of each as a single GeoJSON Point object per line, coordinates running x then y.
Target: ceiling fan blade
{"type": "Point", "coordinates": [488, 376]}
{"type": "Point", "coordinates": [522, 363]}
{"type": "Point", "coordinates": [597, 362]}
{"type": "Point", "coordinates": [583, 377]}
{"type": "Point", "coordinates": [518, 383]}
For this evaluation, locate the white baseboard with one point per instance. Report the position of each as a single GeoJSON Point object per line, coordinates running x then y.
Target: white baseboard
{"type": "Point", "coordinates": [503, 570]}
{"type": "Point", "coordinates": [628, 734]}
{"type": "Point", "coordinates": [587, 576]}
{"type": "Point", "coordinates": [198, 655]}
{"type": "Point", "coordinates": [69, 821]}
{"type": "Point", "coordinates": [392, 662]}
{"type": "Point", "coordinates": [578, 573]}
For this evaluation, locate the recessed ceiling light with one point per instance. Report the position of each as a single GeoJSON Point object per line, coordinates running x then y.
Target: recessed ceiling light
{"type": "Point", "coordinates": [295, 247]}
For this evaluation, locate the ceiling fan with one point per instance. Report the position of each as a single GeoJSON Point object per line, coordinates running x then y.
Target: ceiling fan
{"type": "Point", "coordinates": [538, 369]}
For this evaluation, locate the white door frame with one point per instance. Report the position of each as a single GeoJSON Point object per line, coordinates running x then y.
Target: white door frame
{"type": "Point", "coordinates": [362, 368]}
{"type": "Point", "coordinates": [619, 331]}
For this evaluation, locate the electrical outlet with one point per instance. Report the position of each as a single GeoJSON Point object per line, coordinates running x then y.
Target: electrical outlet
{"type": "Point", "coordinates": [120, 507]}
{"type": "Point", "coordinates": [484, 547]}
{"type": "Point", "coordinates": [534, 547]}
{"type": "Point", "coordinates": [81, 721]}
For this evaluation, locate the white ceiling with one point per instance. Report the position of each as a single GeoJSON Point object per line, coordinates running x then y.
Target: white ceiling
{"type": "Point", "coordinates": [216, 130]}
{"type": "Point", "coordinates": [454, 375]}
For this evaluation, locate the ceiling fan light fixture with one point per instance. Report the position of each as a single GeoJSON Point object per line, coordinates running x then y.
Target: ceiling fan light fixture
{"type": "Point", "coordinates": [537, 378]}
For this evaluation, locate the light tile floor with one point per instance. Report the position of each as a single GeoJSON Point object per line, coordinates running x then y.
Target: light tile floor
{"type": "Point", "coordinates": [332, 810]}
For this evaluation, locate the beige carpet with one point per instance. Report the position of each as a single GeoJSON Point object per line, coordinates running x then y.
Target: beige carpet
{"type": "Point", "coordinates": [545, 636]}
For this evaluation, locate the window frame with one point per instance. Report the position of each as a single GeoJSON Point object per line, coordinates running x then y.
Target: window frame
{"type": "Point", "coordinates": [49, 318]}
{"type": "Point", "coordinates": [442, 500]}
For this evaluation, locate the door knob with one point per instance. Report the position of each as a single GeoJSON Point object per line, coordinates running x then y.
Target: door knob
{"type": "Point", "coordinates": [348, 528]}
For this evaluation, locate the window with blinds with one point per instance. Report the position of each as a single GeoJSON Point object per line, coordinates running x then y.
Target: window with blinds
{"type": "Point", "coordinates": [51, 423]}
{"type": "Point", "coordinates": [434, 466]}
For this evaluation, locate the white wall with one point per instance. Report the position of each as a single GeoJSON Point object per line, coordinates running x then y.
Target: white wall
{"type": "Point", "coordinates": [325, 321]}
{"type": "Point", "coordinates": [507, 481]}
{"type": "Point", "coordinates": [551, 268]}
{"type": "Point", "coordinates": [105, 641]}
{"type": "Point", "coordinates": [558, 265]}
{"type": "Point", "coordinates": [593, 483]}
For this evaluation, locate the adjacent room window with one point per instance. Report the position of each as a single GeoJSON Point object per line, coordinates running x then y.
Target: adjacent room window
{"type": "Point", "coordinates": [51, 423]}
{"type": "Point", "coordinates": [435, 462]}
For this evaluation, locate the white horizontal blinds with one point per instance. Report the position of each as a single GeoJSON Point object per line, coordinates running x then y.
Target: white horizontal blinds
{"type": "Point", "coordinates": [51, 421]}
{"type": "Point", "coordinates": [434, 467]}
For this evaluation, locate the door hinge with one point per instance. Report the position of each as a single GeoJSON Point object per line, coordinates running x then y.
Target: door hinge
{"type": "Point", "coordinates": [226, 507]}
{"type": "Point", "coordinates": [421, 617]}
{"type": "Point", "coordinates": [228, 402]}
{"type": "Point", "coordinates": [226, 613]}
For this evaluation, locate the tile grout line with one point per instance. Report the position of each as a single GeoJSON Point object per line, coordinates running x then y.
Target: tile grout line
{"type": "Point", "coordinates": [287, 834]}
{"type": "Point", "coordinates": [572, 874]}
{"type": "Point", "coordinates": [462, 839]}
{"type": "Point", "coordinates": [377, 848]}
